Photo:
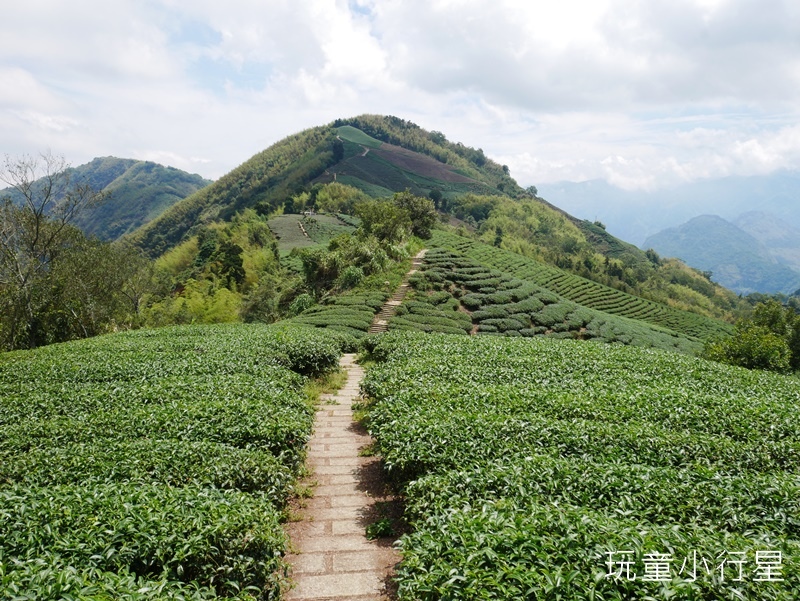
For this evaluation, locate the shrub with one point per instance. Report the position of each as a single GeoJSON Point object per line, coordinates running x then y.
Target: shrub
{"type": "Point", "coordinates": [753, 347]}
{"type": "Point", "coordinates": [300, 304]}
{"type": "Point", "coordinates": [350, 277]}
{"type": "Point", "coordinates": [553, 314]}
{"type": "Point", "coordinates": [504, 324]}
{"type": "Point", "coordinates": [472, 301]}
{"type": "Point", "coordinates": [490, 312]}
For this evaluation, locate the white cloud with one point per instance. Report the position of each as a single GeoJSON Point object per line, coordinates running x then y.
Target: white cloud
{"type": "Point", "coordinates": [641, 93]}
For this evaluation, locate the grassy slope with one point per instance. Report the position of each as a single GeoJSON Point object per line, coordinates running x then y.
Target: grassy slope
{"type": "Point", "coordinates": [379, 168]}
{"type": "Point", "coordinates": [320, 230]}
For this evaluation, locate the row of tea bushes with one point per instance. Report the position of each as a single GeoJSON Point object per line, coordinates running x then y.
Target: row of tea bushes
{"type": "Point", "coordinates": [436, 312]}
{"type": "Point", "coordinates": [586, 292]}
{"type": "Point", "coordinates": [528, 465]}
{"type": "Point", "coordinates": [501, 304]}
{"type": "Point", "coordinates": [154, 464]}
{"type": "Point", "coordinates": [350, 314]}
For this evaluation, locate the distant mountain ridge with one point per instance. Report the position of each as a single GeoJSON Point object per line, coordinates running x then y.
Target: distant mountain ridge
{"type": "Point", "coordinates": [633, 215]}
{"type": "Point", "coordinates": [781, 238]}
{"type": "Point", "coordinates": [139, 191]}
{"type": "Point", "coordinates": [738, 256]}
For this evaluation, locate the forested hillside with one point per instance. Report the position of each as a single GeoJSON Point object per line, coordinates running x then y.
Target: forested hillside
{"type": "Point", "coordinates": [322, 211]}
{"type": "Point", "coordinates": [135, 193]}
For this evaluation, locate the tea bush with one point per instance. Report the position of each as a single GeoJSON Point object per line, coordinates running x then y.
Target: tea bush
{"type": "Point", "coordinates": [154, 464]}
{"type": "Point", "coordinates": [526, 462]}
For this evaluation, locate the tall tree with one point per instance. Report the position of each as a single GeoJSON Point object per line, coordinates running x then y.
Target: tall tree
{"type": "Point", "coordinates": [35, 218]}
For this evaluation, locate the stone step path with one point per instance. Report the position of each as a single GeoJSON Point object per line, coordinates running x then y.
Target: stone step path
{"type": "Point", "coordinates": [381, 321]}
{"type": "Point", "coordinates": [333, 559]}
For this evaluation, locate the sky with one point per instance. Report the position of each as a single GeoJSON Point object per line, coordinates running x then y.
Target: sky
{"type": "Point", "coordinates": [644, 94]}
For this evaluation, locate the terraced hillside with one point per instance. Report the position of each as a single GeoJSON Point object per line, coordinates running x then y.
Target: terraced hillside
{"type": "Point", "coordinates": [380, 168]}
{"type": "Point", "coordinates": [585, 292]}
{"type": "Point", "coordinates": [303, 231]}
{"type": "Point", "coordinates": [468, 297]}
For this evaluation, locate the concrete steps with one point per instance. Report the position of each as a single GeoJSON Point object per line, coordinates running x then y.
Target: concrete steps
{"type": "Point", "coordinates": [381, 321]}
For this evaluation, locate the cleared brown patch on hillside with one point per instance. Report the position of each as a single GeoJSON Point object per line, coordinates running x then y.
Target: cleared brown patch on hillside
{"type": "Point", "coordinates": [424, 165]}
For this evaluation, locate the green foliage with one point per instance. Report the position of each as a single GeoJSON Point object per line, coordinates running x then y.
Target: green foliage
{"type": "Point", "coordinates": [534, 228]}
{"type": "Point", "coordinates": [524, 462]}
{"type": "Point", "coordinates": [386, 221]}
{"type": "Point", "coordinates": [769, 339]}
{"type": "Point", "coordinates": [319, 230]}
{"type": "Point", "coordinates": [153, 464]}
{"type": "Point", "coordinates": [139, 191]}
{"type": "Point", "coordinates": [588, 293]}
{"type": "Point", "coordinates": [263, 182]}
{"type": "Point", "coordinates": [337, 198]}
{"type": "Point", "coordinates": [421, 211]}
{"type": "Point", "coordinates": [136, 192]}
{"type": "Point", "coordinates": [379, 528]}
{"type": "Point", "coordinates": [55, 284]}
{"type": "Point", "coordinates": [197, 302]}
{"type": "Point", "coordinates": [463, 159]}
{"type": "Point", "coordinates": [226, 272]}
{"type": "Point", "coordinates": [325, 267]}
{"type": "Point", "coordinates": [351, 277]}
{"type": "Point", "coordinates": [752, 346]}
{"type": "Point", "coordinates": [350, 133]}
{"type": "Point", "coordinates": [302, 303]}
{"type": "Point", "coordinates": [513, 307]}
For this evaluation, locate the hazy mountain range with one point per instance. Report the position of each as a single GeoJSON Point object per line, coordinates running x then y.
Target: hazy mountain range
{"type": "Point", "coordinates": [756, 252]}
{"type": "Point", "coordinates": [635, 215]}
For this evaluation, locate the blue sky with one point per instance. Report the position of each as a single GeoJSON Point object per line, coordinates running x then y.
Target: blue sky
{"type": "Point", "coordinates": [642, 93]}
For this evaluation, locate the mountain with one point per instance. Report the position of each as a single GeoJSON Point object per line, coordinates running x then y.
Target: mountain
{"type": "Point", "coordinates": [139, 191]}
{"type": "Point", "coordinates": [781, 238]}
{"type": "Point", "coordinates": [376, 154]}
{"type": "Point", "coordinates": [737, 259]}
{"type": "Point", "coordinates": [633, 215]}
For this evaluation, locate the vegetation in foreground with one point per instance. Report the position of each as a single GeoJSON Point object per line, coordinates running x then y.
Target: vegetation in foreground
{"type": "Point", "coordinates": [154, 464]}
{"type": "Point", "coordinates": [529, 464]}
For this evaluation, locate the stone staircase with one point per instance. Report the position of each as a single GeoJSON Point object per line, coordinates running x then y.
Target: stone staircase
{"type": "Point", "coordinates": [381, 321]}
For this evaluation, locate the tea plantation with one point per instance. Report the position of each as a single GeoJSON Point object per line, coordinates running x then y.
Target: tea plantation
{"type": "Point", "coordinates": [457, 294]}
{"type": "Point", "coordinates": [584, 292]}
{"type": "Point", "coordinates": [153, 464]}
{"type": "Point", "coordinates": [559, 469]}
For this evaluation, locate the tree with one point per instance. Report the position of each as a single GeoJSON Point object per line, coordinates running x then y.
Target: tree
{"type": "Point", "coordinates": [753, 347]}
{"type": "Point", "coordinates": [769, 339]}
{"type": "Point", "coordinates": [35, 231]}
{"type": "Point", "coordinates": [421, 211]}
{"type": "Point", "coordinates": [436, 196]}
{"type": "Point", "coordinates": [384, 220]}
